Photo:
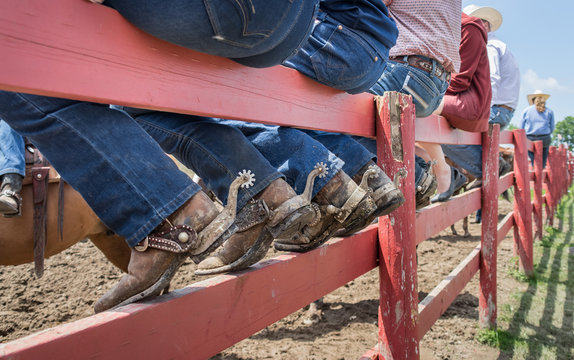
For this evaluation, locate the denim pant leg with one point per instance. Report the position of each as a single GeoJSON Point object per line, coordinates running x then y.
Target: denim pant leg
{"type": "Point", "coordinates": [426, 90]}
{"type": "Point", "coordinates": [121, 171]}
{"type": "Point", "coordinates": [500, 115]}
{"type": "Point", "coordinates": [257, 33]}
{"type": "Point", "coordinates": [468, 157]}
{"type": "Point", "coordinates": [339, 57]}
{"type": "Point", "coordinates": [292, 152]}
{"type": "Point", "coordinates": [12, 158]}
{"type": "Point", "coordinates": [346, 148]}
{"type": "Point", "coordinates": [216, 152]}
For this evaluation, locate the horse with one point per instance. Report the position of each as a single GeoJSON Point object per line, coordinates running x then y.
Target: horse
{"type": "Point", "coordinates": [78, 222]}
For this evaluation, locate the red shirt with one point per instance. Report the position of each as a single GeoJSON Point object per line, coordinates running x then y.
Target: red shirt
{"type": "Point", "coordinates": [467, 99]}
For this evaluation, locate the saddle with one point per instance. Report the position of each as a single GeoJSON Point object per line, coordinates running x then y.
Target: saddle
{"type": "Point", "coordinates": [39, 173]}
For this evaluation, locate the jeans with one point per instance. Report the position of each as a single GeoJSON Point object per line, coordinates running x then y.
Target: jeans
{"type": "Point", "coordinates": [426, 90]}
{"type": "Point", "coordinates": [469, 157]}
{"type": "Point", "coordinates": [337, 56]}
{"type": "Point", "coordinates": [257, 33]}
{"type": "Point", "coordinates": [119, 169]}
{"type": "Point", "coordinates": [12, 158]}
{"type": "Point", "coordinates": [214, 151]}
{"type": "Point", "coordinates": [500, 115]}
{"type": "Point", "coordinates": [291, 151]}
{"type": "Point", "coordinates": [354, 155]}
{"type": "Point", "coordinates": [546, 141]}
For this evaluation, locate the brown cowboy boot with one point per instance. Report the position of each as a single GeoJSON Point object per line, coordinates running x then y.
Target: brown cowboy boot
{"type": "Point", "coordinates": [340, 202]}
{"type": "Point", "coordinates": [287, 212]}
{"type": "Point", "coordinates": [148, 265]}
{"type": "Point", "coordinates": [384, 192]}
{"type": "Point", "coordinates": [10, 199]}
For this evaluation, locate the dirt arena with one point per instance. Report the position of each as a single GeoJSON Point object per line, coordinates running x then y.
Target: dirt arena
{"type": "Point", "coordinates": [345, 328]}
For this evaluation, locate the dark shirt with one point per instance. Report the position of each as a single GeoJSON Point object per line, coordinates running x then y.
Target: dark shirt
{"type": "Point", "coordinates": [368, 16]}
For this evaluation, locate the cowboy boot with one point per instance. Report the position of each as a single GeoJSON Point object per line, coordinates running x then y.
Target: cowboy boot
{"type": "Point", "coordinates": [425, 183]}
{"type": "Point", "coordinates": [384, 192]}
{"type": "Point", "coordinates": [195, 229]}
{"type": "Point", "coordinates": [286, 213]}
{"type": "Point", "coordinates": [341, 202]}
{"type": "Point", "coordinates": [10, 199]}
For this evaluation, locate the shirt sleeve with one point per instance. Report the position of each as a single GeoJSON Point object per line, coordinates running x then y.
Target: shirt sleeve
{"type": "Point", "coordinates": [494, 63]}
{"type": "Point", "coordinates": [522, 122]}
{"type": "Point", "coordinates": [551, 120]}
{"type": "Point", "coordinates": [472, 45]}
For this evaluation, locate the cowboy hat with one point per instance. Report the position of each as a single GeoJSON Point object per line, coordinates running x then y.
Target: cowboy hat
{"type": "Point", "coordinates": [535, 94]}
{"type": "Point", "coordinates": [487, 13]}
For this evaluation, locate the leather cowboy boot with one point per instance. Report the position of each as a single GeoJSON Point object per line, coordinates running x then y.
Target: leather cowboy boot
{"type": "Point", "coordinates": [384, 192]}
{"type": "Point", "coordinates": [10, 199]}
{"type": "Point", "coordinates": [195, 229]}
{"type": "Point", "coordinates": [341, 202]}
{"type": "Point", "coordinates": [286, 213]}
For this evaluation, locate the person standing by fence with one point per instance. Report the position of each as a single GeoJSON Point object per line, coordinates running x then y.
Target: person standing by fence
{"type": "Point", "coordinates": [538, 121]}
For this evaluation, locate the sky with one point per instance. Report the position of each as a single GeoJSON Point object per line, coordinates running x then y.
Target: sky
{"type": "Point", "coordinates": [540, 35]}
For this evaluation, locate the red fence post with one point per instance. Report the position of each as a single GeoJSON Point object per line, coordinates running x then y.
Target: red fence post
{"type": "Point", "coordinates": [538, 182]}
{"type": "Point", "coordinates": [487, 296]}
{"type": "Point", "coordinates": [398, 307]}
{"type": "Point", "coordinates": [522, 203]}
{"type": "Point", "coordinates": [550, 187]}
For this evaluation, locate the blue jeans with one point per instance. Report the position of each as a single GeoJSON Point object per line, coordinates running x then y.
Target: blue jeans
{"type": "Point", "coordinates": [337, 56]}
{"type": "Point", "coordinates": [426, 90]}
{"type": "Point", "coordinates": [291, 152]}
{"type": "Point", "coordinates": [354, 155]}
{"type": "Point", "coordinates": [469, 157]}
{"type": "Point", "coordinates": [258, 33]}
{"type": "Point", "coordinates": [500, 115]}
{"type": "Point", "coordinates": [214, 151]}
{"type": "Point", "coordinates": [119, 169]}
{"type": "Point", "coordinates": [12, 158]}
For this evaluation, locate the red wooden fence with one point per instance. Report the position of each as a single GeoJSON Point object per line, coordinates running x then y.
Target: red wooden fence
{"type": "Point", "coordinates": [79, 50]}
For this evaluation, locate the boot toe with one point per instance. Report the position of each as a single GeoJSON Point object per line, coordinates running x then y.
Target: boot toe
{"type": "Point", "coordinates": [211, 262]}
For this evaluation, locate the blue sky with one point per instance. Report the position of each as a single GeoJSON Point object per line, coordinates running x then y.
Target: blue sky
{"type": "Point", "coordinates": [540, 35]}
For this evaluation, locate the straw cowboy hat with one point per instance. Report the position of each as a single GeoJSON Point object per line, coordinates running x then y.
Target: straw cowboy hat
{"type": "Point", "coordinates": [486, 13]}
{"type": "Point", "coordinates": [535, 94]}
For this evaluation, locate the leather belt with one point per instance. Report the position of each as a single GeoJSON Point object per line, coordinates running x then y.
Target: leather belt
{"type": "Point", "coordinates": [424, 63]}
{"type": "Point", "coordinates": [505, 107]}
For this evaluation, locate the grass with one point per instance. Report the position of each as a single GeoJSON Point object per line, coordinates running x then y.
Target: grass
{"type": "Point", "coordinates": [538, 323]}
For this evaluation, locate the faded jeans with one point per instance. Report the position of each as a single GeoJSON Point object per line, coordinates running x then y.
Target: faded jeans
{"type": "Point", "coordinates": [12, 158]}
{"type": "Point", "coordinates": [120, 170]}
{"type": "Point", "coordinates": [214, 151]}
{"type": "Point", "coordinates": [257, 33]}
{"type": "Point", "coordinates": [469, 157]}
{"type": "Point", "coordinates": [291, 151]}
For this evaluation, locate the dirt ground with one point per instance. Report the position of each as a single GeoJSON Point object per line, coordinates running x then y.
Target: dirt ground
{"type": "Point", "coordinates": [345, 329]}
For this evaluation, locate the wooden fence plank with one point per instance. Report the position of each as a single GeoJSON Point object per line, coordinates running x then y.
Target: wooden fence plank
{"type": "Point", "coordinates": [206, 317]}
{"type": "Point", "coordinates": [79, 50]}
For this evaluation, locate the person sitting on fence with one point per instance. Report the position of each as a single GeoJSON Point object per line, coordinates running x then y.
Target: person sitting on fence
{"type": "Point", "coordinates": [466, 104]}
{"type": "Point", "coordinates": [12, 170]}
{"type": "Point", "coordinates": [122, 186]}
{"type": "Point", "coordinates": [538, 122]}
{"type": "Point", "coordinates": [505, 83]}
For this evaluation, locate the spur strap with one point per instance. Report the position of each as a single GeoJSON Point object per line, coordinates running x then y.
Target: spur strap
{"type": "Point", "coordinates": [177, 239]}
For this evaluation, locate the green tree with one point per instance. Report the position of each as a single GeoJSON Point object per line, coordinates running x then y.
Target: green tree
{"type": "Point", "coordinates": [565, 128]}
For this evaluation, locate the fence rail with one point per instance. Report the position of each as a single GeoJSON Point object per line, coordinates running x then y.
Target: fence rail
{"type": "Point", "coordinates": [79, 50]}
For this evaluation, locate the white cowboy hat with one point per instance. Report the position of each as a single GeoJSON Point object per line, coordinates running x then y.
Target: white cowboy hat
{"type": "Point", "coordinates": [535, 94]}
{"type": "Point", "coordinates": [486, 13]}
